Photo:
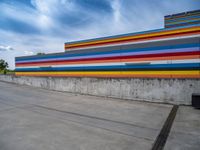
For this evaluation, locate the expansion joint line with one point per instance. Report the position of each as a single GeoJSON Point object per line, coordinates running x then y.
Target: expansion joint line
{"type": "Point", "coordinates": [164, 133]}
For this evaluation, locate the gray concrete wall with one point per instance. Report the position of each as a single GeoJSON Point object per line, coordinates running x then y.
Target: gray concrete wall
{"type": "Point", "coordinates": [174, 91]}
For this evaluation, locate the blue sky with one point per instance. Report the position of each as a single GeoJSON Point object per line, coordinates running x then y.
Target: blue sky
{"type": "Point", "coordinates": [31, 26]}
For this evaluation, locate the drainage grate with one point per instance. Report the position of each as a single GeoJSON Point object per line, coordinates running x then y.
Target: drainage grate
{"type": "Point", "coordinates": [162, 137]}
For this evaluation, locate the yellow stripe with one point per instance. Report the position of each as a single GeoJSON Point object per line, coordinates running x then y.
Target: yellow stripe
{"type": "Point", "coordinates": [193, 72]}
{"type": "Point", "coordinates": [137, 36]}
{"type": "Point", "coordinates": [163, 72]}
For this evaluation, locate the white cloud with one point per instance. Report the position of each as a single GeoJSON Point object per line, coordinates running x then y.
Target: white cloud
{"type": "Point", "coordinates": [52, 19]}
{"type": "Point", "coordinates": [116, 7]}
{"type": "Point", "coordinates": [28, 52]}
{"type": "Point", "coordinates": [26, 14]}
{"type": "Point", "coordinates": [5, 48]}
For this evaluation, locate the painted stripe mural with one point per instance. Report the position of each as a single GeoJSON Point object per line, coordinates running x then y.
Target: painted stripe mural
{"type": "Point", "coordinates": [182, 19]}
{"type": "Point", "coordinates": [157, 59]}
{"type": "Point", "coordinates": [165, 53]}
{"type": "Point", "coordinates": [154, 35]}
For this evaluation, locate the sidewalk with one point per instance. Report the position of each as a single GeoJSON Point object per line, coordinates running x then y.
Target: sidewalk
{"type": "Point", "coordinates": [33, 118]}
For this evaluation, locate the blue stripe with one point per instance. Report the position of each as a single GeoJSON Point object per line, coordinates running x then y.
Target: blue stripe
{"type": "Point", "coordinates": [183, 24]}
{"type": "Point", "coordinates": [142, 66]}
{"type": "Point", "coordinates": [39, 58]}
{"type": "Point", "coordinates": [185, 18]}
{"type": "Point", "coordinates": [187, 21]}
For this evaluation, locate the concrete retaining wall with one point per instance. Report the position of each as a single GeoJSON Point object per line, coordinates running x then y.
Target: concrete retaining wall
{"type": "Point", "coordinates": [174, 91]}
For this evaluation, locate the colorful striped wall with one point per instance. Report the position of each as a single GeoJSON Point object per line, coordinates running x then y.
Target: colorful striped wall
{"type": "Point", "coordinates": [178, 58]}
{"type": "Point", "coordinates": [164, 53]}
{"type": "Point", "coordinates": [182, 19]}
{"type": "Point", "coordinates": [141, 37]}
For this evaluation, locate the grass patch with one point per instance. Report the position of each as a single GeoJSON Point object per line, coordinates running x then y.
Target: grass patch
{"type": "Point", "coordinates": [8, 72]}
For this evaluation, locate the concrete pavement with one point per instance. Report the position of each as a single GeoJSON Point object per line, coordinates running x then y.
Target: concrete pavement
{"type": "Point", "coordinates": [185, 132]}
{"type": "Point", "coordinates": [34, 119]}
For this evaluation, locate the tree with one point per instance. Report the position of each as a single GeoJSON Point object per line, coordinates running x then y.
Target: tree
{"type": "Point", "coordinates": [3, 66]}
{"type": "Point", "coordinates": [40, 53]}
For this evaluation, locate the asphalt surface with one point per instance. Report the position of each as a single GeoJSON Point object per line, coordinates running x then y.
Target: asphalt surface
{"type": "Point", "coordinates": [38, 119]}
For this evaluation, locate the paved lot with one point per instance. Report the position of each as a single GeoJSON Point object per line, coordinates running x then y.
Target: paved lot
{"type": "Point", "coordinates": [37, 119]}
{"type": "Point", "coordinates": [185, 132]}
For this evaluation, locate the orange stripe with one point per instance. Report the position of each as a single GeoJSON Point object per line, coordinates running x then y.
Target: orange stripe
{"type": "Point", "coordinates": [135, 38]}
{"type": "Point", "coordinates": [120, 76]}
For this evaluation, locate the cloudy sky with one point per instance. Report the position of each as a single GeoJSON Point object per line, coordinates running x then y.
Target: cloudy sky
{"type": "Point", "coordinates": [31, 26]}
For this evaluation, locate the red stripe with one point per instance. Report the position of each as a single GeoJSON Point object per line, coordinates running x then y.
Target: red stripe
{"type": "Point", "coordinates": [115, 57]}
